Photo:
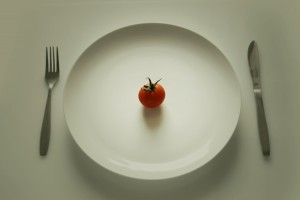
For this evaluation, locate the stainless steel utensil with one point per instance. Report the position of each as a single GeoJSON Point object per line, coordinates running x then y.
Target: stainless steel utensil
{"type": "Point", "coordinates": [51, 77]}
{"type": "Point", "coordinates": [253, 59]}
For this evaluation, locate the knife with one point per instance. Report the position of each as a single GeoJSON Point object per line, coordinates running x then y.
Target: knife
{"type": "Point", "coordinates": [253, 60]}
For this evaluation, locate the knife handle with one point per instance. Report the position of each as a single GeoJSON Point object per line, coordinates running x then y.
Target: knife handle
{"type": "Point", "coordinates": [262, 123]}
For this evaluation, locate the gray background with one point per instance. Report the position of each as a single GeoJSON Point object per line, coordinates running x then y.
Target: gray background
{"type": "Point", "coordinates": [238, 172]}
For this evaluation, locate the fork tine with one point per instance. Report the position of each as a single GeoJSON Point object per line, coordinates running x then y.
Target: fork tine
{"type": "Point", "coordinates": [53, 60]}
{"type": "Point", "coordinates": [57, 60]}
{"type": "Point", "coordinates": [47, 61]}
{"type": "Point", "coordinates": [50, 64]}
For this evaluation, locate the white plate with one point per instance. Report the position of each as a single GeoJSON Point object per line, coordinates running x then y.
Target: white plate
{"type": "Point", "coordinates": [196, 120]}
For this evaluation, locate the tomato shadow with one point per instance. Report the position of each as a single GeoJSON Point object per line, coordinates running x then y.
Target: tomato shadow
{"type": "Point", "coordinates": [153, 117]}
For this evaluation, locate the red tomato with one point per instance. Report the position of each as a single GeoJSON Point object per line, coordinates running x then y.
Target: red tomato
{"type": "Point", "coordinates": [152, 95]}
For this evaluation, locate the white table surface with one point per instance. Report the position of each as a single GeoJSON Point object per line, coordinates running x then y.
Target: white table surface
{"type": "Point", "coordinates": [238, 172]}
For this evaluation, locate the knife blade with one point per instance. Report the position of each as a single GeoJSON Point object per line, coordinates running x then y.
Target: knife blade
{"type": "Point", "coordinates": [254, 66]}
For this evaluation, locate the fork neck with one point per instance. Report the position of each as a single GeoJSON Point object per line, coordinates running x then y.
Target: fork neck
{"type": "Point", "coordinates": [51, 84]}
{"type": "Point", "coordinates": [50, 90]}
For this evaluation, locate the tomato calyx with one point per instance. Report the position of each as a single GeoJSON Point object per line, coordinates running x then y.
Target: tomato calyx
{"type": "Point", "coordinates": [151, 86]}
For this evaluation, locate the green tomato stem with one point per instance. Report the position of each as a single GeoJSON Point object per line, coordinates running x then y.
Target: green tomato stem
{"type": "Point", "coordinates": [151, 87]}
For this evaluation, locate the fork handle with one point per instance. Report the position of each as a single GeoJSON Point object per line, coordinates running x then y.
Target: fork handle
{"type": "Point", "coordinates": [46, 126]}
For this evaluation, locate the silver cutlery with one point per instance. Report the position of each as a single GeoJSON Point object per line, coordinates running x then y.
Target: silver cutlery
{"type": "Point", "coordinates": [51, 77]}
{"type": "Point", "coordinates": [253, 59]}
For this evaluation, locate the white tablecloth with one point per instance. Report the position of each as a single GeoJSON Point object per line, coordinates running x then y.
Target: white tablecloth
{"type": "Point", "coordinates": [238, 172]}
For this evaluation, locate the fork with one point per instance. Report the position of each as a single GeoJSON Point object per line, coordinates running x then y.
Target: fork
{"type": "Point", "coordinates": [51, 77]}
